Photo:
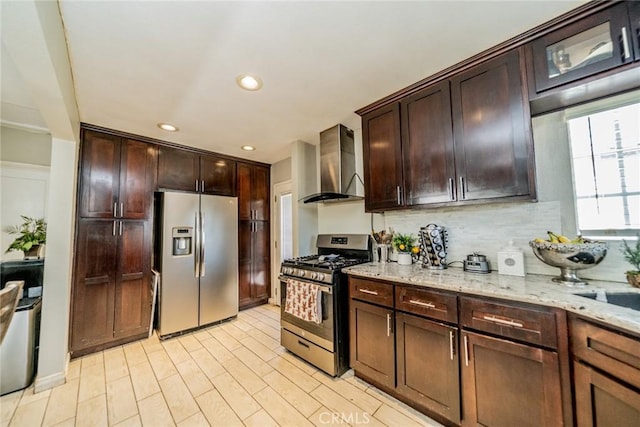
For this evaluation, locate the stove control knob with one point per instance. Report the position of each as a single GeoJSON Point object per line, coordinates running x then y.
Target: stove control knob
{"type": "Point", "coordinates": [319, 276]}
{"type": "Point", "coordinates": [301, 273]}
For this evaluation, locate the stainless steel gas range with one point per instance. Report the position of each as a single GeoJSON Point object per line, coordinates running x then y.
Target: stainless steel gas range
{"type": "Point", "coordinates": [314, 301]}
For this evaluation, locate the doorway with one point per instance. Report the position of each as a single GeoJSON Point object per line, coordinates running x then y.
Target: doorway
{"type": "Point", "coordinates": [282, 232]}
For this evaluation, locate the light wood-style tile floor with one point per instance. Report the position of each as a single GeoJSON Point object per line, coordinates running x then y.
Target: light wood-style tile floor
{"type": "Point", "coordinates": [232, 374]}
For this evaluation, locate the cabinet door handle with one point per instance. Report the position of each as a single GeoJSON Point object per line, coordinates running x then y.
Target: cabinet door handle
{"type": "Point", "coordinates": [196, 185]}
{"type": "Point", "coordinates": [452, 196]}
{"type": "Point", "coordinates": [421, 303]}
{"type": "Point", "coordinates": [115, 207]}
{"type": "Point", "coordinates": [503, 321]}
{"type": "Point", "coordinates": [305, 345]}
{"type": "Point", "coordinates": [202, 185]}
{"type": "Point", "coordinates": [121, 209]}
{"type": "Point", "coordinates": [625, 44]}
{"type": "Point", "coordinates": [462, 192]}
{"type": "Point", "coordinates": [388, 324]}
{"type": "Point", "coordinates": [398, 194]}
{"type": "Point", "coordinates": [466, 351]}
{"type": "Point", "coordinates": [120, 231]}
{"type": "Point", "coordinates": [451, 351]}
{"type": "Point", "coordinates": [113, 231]}
{"type": "Point", "coordinates": [367, 291]}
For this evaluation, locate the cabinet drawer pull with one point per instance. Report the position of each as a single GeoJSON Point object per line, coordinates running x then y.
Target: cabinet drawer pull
{"type": "Point", "coordinates": [115, 209]}
{"type": "Point", "coordinates": [196, 185]}
{"type": "Point", "coordinates": [120, 231]}
{"type": "Point", "coordinates": [388, 324]}
{"type": "Point", "coordinates": [113, 231]}
{"type": "Point", "coordinates": [398, 194]}
{"type": "Point", "coordinates": [367, 291]}
{"type": "Point", "coordinates": [305, 345]}
{"type": "Point", "coordinates": [462, 192]}
{"type": "Point", "coordinates": [451, 352]}
{"type": "Point", "coordinates": [625, 44]}
{"type": "Point", "coordinates": [422, 304]}
{"type": "Point", "coordinates": [121, 209]}
{"type": "Point", "coordinates": [503, 321]}
{"type": "Point", "coordinates": [202, 185]}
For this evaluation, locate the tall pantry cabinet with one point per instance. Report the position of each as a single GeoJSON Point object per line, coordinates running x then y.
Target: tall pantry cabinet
{"type": "Point", "coordinates": [253, 229]}
{"type": "Point", "coordinates": [111, 294]}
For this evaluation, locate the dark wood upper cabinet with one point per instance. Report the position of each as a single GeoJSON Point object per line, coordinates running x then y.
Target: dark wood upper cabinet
{"type": "Point", "coordinates": [217, 176]}
{"type": "Point", "coordinates": [253, 192]}
{"type": "Point", "coordinates": [596, 43]}
{"type": "Point", "coordinates": [117, 177]}
{"type": "Point", "coordinates": [184, 170]}
{"type": "Point", "coordinates": [427, 146]}
{"type": "Point", "coordinates": [178, 169]}
{"type": "Point", "coordinates": [492, 132]}
{"type": "Point", "coordinates": [464, 139]}
{"type": "Point", "coordinates": [382, 153]}
{"type": "Point", "coordinates": [99, 176]}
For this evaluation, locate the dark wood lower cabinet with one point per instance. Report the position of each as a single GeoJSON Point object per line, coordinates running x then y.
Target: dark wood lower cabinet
{"type": "Point", "coordinates": [602, 401]}
{"type": "Point", "coordinates": [428, 369]}
{"type": "Point", "coordinates": [372, 342]}
{"type": "Point", "coordinates": [254, 263]}
{"type": "Point", "coordinates": [111, 296]}
{"type": "Point", "coordinates": [507, 384]}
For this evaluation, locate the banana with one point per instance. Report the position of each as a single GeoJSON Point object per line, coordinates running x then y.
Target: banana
{"type": "Point", "coordinates": [539, 240]}
{"type": "Point", "coordinates": [578, 239]}
{"type": "Point", "coordinates": [553, 238]}
{"type": "Point", "coordinates": [564, 239]}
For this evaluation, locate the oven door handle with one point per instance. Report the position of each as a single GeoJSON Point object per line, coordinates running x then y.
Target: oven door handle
{"type": "Point", "coordinates": [323, 288]}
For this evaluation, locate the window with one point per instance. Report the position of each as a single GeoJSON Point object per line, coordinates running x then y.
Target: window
{"type": "Point", "coordinates": [605, 156]}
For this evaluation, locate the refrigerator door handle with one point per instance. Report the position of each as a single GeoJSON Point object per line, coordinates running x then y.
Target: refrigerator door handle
{"type": "Point", "coordinates": [196, 251]}
{"type": "Point", "coordinates": [202, 246]}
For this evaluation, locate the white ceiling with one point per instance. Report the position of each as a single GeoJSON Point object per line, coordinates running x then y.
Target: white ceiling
{"type": "Point", "coordinates": [137, 63]}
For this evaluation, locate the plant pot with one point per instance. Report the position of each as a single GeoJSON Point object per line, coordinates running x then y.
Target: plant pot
{"type": "Point", "coordinates": [404, 258]}
{"type": "Point", "coordinates": [634, 280]}
{"type": "Point", "coordinates": [36, 252]}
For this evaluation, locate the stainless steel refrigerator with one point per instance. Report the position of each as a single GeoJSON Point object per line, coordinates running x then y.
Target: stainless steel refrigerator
{"type": "Point", "coordinates": [196, 250]}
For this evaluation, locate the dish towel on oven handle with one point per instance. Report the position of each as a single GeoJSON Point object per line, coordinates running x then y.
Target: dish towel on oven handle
{"type": "Point", "coordinates": [303, 300]}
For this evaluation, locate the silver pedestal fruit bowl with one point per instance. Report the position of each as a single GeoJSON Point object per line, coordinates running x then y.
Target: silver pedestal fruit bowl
{"type": "Point", "coordinates": [570, 257]}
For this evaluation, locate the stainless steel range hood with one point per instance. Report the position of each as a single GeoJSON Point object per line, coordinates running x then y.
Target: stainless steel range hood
{"type": "Point", "coordinates": [337, 166]}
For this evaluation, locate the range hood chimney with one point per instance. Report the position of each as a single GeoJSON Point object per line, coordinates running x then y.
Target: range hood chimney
{"type": "Point", "coordinates": [337, 166]}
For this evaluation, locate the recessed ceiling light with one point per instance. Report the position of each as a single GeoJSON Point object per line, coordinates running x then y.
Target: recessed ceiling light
{"type": "Point", "coordinates": [168, 127]}
{"type": "Point", "coordinates": [248, 147]}
{"type": "Point", "coordinates": [249, 82]}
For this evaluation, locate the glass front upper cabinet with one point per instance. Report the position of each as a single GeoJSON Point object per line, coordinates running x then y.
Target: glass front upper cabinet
{"type": "Point", "coordinates": [589, 46]}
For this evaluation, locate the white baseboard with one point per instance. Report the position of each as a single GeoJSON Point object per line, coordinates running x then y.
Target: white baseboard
{"type": "Point", "coordinates": [53, 380]}
{"type": "Point", "coordinates": [273, 301]}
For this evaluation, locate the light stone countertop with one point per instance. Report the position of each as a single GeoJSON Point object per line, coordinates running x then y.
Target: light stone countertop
{"type": "Point", "coordinates": [536, 289]}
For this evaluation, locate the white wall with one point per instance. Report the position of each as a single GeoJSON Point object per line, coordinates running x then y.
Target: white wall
{"type": "Point", "coordinates": [305, 216]}
{"type": "Point", "coordinates": [22, 146]}
{"type": "Point", "coordinates": [33, 36]}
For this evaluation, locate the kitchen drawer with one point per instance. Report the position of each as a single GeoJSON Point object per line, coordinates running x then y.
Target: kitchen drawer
{"type": "Point", "coordinates": [427, 303]}
{"type": "Point", "coordinates": [613, 352]}
{"type": "Point", "coordinates": [533, 325]}
{"type": "Point", "coordinates": [368, 290]}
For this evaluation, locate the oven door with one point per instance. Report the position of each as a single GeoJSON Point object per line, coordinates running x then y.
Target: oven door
{"type": "Point", "coordinates": [321, 333]}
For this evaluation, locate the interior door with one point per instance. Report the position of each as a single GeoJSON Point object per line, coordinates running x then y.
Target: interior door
{"type": "Point", "coordinates": [219, 271]}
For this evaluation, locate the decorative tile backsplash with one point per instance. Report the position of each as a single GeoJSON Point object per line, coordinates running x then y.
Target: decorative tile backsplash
{"type": "Point", "coordinates": [487, 229]}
